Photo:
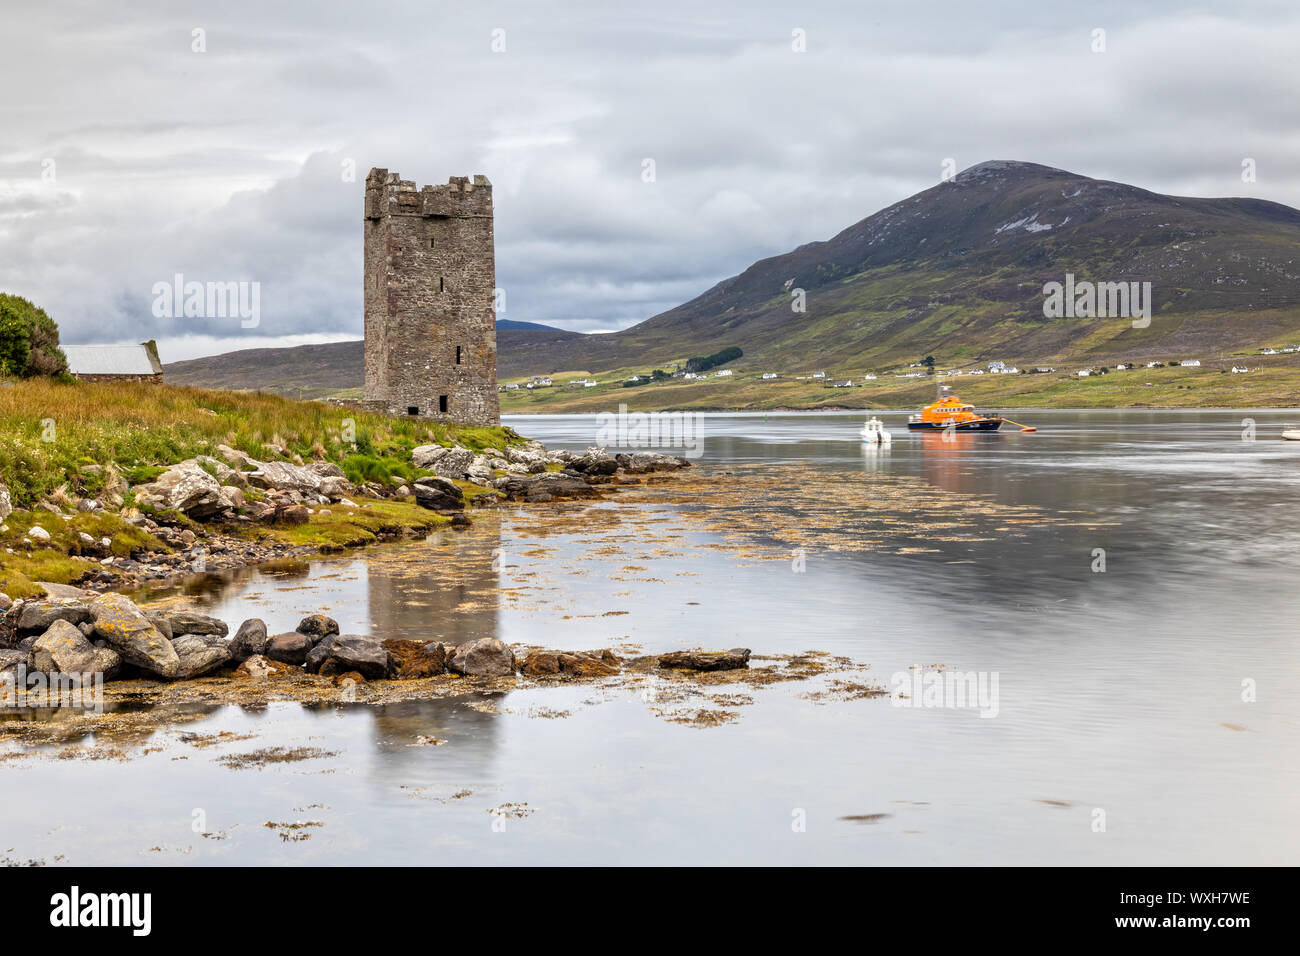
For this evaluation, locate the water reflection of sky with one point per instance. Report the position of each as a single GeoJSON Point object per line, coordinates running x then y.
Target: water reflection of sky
{"type": "Point", "coordinates": [1119, 690]}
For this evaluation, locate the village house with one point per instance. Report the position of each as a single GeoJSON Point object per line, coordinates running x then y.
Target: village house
{"type": "Point", "coordinates": [115, 363]}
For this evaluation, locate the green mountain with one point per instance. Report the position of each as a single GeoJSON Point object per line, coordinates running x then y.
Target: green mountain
{"type": "Point", "coordinates": [958, 272]}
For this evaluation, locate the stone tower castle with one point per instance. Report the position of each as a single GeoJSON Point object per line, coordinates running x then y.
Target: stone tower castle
{"type": "Point", "coordinates": [430, 279]}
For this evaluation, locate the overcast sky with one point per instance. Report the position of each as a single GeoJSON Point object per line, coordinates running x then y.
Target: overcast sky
{"type": "Point", "coordinates": [126, 157]}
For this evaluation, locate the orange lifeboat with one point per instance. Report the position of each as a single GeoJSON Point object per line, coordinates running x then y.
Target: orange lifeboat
{"type": "Point", "coordinates": [951, 412]}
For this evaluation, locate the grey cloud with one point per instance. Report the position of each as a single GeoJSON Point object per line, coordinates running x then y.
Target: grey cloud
{"type": "Point", "coordinates": [228, 165]}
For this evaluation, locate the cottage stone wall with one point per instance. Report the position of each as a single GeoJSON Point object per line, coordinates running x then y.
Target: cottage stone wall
{"type": "Point", "coordinates": [430, 278]}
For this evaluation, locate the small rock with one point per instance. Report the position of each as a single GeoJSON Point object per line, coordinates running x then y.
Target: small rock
{"type": "Point", "coordinates": [260, 666]}
{"type": "Point", "coordinates": [317, 626]}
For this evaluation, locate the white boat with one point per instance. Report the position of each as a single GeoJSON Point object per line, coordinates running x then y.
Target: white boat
{"type": "Point", "coordinates": [1291, 432]}
{"type": "Point", "coordinates": [874, 432]}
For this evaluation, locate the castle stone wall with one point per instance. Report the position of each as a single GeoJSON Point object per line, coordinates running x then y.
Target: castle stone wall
{"type": "Point", "coordinates": [430, 278]}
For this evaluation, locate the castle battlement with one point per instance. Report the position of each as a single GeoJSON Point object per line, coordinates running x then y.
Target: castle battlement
{"type": "Point", "coordinates": [462, 197]}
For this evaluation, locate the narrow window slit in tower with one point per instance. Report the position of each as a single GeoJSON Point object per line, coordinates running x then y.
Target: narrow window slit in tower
{"type": "Point", "coordinates": [458, 355]}
{"type": "Point", "coordinates": [442, 404]}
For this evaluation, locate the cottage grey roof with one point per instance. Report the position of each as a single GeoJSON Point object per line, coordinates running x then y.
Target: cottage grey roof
{"type": "Point", "coordinates": [110, 360]}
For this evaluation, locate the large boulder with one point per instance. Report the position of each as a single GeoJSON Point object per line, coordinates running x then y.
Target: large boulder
{"type": "Point", "coordinates": [546, 487]}
{"type": "Point", "coordinates": [63, 648]}
{"type": "Point", "coordinates": [126, 630]}
{"type": "Point", "coordinates": [733, 659]}
{"type": "Point", "coordinates": [595, 462]}
{"type": "Point", "coordinates": [289, 648]}
{"type": "Point", "coordinates": [319, 653]}
{"type": "Point", "coordinates": [439, 494]}
{"type": "Point", "coordinates": [335, 488]}
{"type": "Point", "coordinates": [529, 453]}
{"type": "Point", "coordinates": [284, 476]}
{"type": "Point", "coordinates": [190, 622]}
{"type": "Point", "coordinates": [241, 460]}
{"type": "Point", "coordinates": [186, 488]}
{"type": "Point", "coordinates": [425, 456]}
{"type": "Point", "coordinates": [107, 662]}
{"type": "Point", "coordinates": [37, 616]}
{"type": "Point", "coordinates": [356, 652]}
{"type": "Point", "coordinates": [412, 659]}
{"type": "Point", "coordinates": [160, 620]}
{"type": "Point", "coordinates": [326, 469]}
{"type": "Point", "coordinates": [10, 659]}
{"type": "Point", "coordinates": [569, 664]}
{"type": "Point", "coordinates": [250, 639]}
{"type": "Point", "coordinates": [454, 463]}
{"type": "Point", "coordinates": [485, 657]}
{"type": "Point", "coordinates": [200, 653]}
{"type": "Point", "coordinates": [640, 463]}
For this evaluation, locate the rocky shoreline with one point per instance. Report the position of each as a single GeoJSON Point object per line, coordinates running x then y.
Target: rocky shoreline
{"type": "Point", "coordinates": [221, 513]}
{"type": "Point", "coordinates": [92, 633]}
{"type": "Point", "coordinates": [88, 637]}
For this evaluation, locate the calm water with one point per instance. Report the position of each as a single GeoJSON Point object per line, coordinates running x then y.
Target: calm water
{"type": "Point", "coordinates": [1119, 691]}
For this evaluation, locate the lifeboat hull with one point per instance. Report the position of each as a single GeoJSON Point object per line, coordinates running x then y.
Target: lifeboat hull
{"type": "Point", "coordinates": [977, 425]}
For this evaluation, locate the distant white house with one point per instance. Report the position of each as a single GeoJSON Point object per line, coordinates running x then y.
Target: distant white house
{"type": "Point", "coordinates": [767, 375]}
{"type": "Point", "coordinates": [1084, 372]}
{"type": "Point", "coordinates": [1191, 363]}
{"type": "Point", "coordinates": [1153, 364]}
{"type": "Point", "coordinates": [1268, 351]}
{"type": "Point", "coordinates": [1238, 370]}
{"type": "Point", "coordinates": [724, 373]}
{"type": "Point", "coordinates": [103, 363]}
{"type": "Point", "coordinates": [819, 375]}
{"type": "Point", "coordinates": [868, 377]}
{"type": "Point", "coordinates": [511, 386]}
{"type": "Point", "coordinates": [688, 376]}
{"type": "Point", "coordinates": [590, 383]}
{"type": "Point", "coordinates": [540, 381]}
{"type": "Point", "coordinates": [635, 378]}
{"type": "Point", "coordinates": [847, 383]}
{"type": "Point", "coordinates": [1122, 368]}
